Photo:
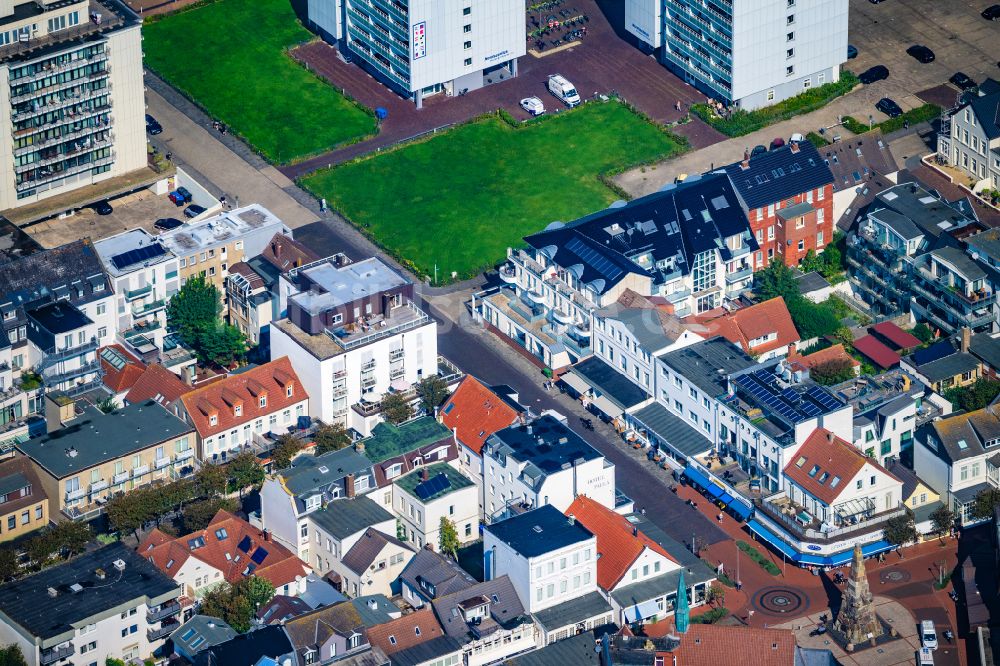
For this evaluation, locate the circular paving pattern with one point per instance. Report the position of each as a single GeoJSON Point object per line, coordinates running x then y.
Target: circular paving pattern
{"type": "Point", "coordinates": [894, 576]}
{"type": "Point", "coordinates": [780, 600]}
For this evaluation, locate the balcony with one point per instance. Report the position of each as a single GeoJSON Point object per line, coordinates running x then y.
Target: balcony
{"type": "Point", "coordinates": [165, 630]}
{"type": "Point", "coordinates": [52, 655]}
{"type": "Point", "coordinates": [368, 382]}
{"type": "Point", "coordinates": [508, 274]}
{"type": "Point", "coordinates": [53, 377]}
{"type": "Point", "coordinates": [160, 463]}
{"type": "Point", "coordinates": [397, 354]}
{"type": "Point", "coordinates": [120, 478]}
{"type": "Point", "coordinates": [181, 456]}
{"type": "Point", "coordinates": [784, 512]}
{"type": "Point", "coordinates": [140, 471]}
{"type": "Point", "coordinates": [737, 276]}
{"type": "Point", "coordinates": [167, 609]}
{"type": "Point", "coordinates": [562, 317]}
{"type": "Point", "coordinates": [98, 486]}
{"type": "Point", "coordinates": [70, 352]}
{"type": "Point", "coordinates": [530, 312]}
{"type": "Point", "coordinates": [397, 373]}
{"type": "Point", "coordinates": [143, 309]}
{"type": "Point", "coordinates": [75, 494]}
{"type": "Point", "coordinates": [405, 317]}
{"type": "Point", "coordinates": [52, 176]}
{"type": "Point", "coordinates": [132, 294]}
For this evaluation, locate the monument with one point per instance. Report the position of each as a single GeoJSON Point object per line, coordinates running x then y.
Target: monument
{"type": "Point", "coordinates": [856, 619]}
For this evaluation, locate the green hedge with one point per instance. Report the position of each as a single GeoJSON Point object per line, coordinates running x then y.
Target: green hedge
{"type": "Point", "coordinates": [744, 122]}
{"type": "Point", "coordinates": [921, 114]}
{"type": "Point", "coordinates": [755, 555]}
{"type": "Point", "coordinates": [711, 617]}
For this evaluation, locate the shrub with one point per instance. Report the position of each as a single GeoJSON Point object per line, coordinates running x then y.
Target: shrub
{"type": "Point", "coordinates": [755, 555]}
{"type": "Point", "coordinates": [921, 114]}
{"type": "Point", "coordinates": [711, 617]}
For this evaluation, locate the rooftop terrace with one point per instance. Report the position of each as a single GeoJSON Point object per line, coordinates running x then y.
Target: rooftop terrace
{"type": "Point", "coordinates": [218, 230]}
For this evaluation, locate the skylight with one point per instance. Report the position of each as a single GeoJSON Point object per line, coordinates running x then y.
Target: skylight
{"type": "Point", "coordinates": [801, 461]}
{"type": "Point", "coordinates": [814, 470]}
{"type": "Point", "coordinates": [962, 444]}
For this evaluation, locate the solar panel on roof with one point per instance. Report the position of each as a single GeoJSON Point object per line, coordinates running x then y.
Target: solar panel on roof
{"type": "Point", "coordinates": [137, 256]}
{"type": "Point", "coordinates": [433, 486]}
{"type": "Point", "coordinates": [823, 398]}
{"type": "Point", "coordinates": [596, 260]}
{"type": "Point", "coordinates": [790, 395]}
{"type": "Point", "coordinates": [245, 544]}
{"type": "Point", "coordinates": [259, 555]}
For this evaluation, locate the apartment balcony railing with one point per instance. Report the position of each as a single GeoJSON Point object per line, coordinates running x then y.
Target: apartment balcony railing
{"type": "Point", "coordinates": [120, 478]}
{"type": "Point", "coordinates": [52, 377]}
{"type": "Point", "coordinates": [160, 463]}
{"type": "Point", "coordinates": [72, 171]}
{"type": "Point", "coordinates": [91, 145]}
{"type": "Point", "coordinates": [55, 140]}
{"type": "Point", "coordinates": [165, 630]}
{"type": "Point", "coordinates": [368, 382]}
{"type": "Point", "coordinates": [872, 523]}
{"type": "Point", "coordinates": [168, 609]}
{"type": "Point", "coordinates": [397, 373]}
{"type": "Point", "coordinates": [737, 276]}
{"type": "Point", "coordinates": [52, 655]}
{"type": "Point", "coordinates": [71, 352]}
{"type": "Point", "coordinates": [56, 87]}
{"type": "Point", "coordinates": [55, 104]}
{"type": "Point", "coordinates": [75, 494]}
{"type": "Point", "coordinates": [396, 354]}
{"type": "Point", "coordinates": [140, 471]}
{"type": "Point", "coordinates": [181, 456]}
{"type": "Point", "coordinates": [132, 294]}
{"type": "Point", "coordinates": [98, 486]}
{"type": "Point", "coordinates": [80, 389]}
{"type": "Point", "coordinates": [143, 309]}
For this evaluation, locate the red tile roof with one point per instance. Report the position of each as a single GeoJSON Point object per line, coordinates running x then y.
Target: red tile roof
{"type": "Point", "coordinates": [403, 631]}
{"type": "Point", "coordinates": [825, 465]}
{"type": "Point", "coordinates": [474, 412]}
{"type": "Point", "coordinates": [252, 276]}
{"type": "Point", "coordinates": [284, 253]}
{"type": "Point", "coordinates": [120, 379]}
{"type": "Point", "coordinates": [240, 542]}
{"type": "Point", "coordinates": [876, 351]}
{"type": "Point", "coordinates": [757, 321]}
{"type": "Point", "coordinates": [245, 391]}
{"type": "Point", "coordinates": [619, 544]}
{"type": "Point", "coordinates": [896, 335]}
{"type": "Point", "coordinates": [810, 361]}
{"type": "Point", "coordinates": [157, 381]}
{"type": "Point", "coordinates": [715, 644]}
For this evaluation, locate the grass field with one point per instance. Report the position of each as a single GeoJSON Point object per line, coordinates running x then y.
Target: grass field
{"type": "Point", "coordinates": [459, 199]}
{"type": "Point", "coordinates": [229, 56]}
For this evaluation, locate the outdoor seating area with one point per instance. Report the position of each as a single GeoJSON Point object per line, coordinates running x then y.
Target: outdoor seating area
{"type": "Point", "coordinates": [551, 24]}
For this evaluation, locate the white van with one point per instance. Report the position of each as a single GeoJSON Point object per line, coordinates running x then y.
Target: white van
{"type": "Point", "coordinates": [925, 657]}
{"type": "Point", "coordinates": [564, 90]}
{"type": "Point", "coordinates": [928, 635]}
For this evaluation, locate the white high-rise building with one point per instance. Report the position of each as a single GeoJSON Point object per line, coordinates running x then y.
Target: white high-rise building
{"type": "Point", "coordinates": [750, 54]}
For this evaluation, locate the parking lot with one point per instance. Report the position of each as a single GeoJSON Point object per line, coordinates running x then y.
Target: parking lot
{"type": "Point", "coordinates": [961, 39]}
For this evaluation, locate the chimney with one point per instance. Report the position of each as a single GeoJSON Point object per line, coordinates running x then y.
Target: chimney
{"type": "Point", "coordinates": [424, 475]}
{"type": "Point", "coordinates": [360, 447]}
{"type": "Point", "coordinates": [791, 349]}
{"type": "Point", "coordinates": [966, 339]}
{"type": "Point", "coordinates": [795, 146]}
{"type": "Point", "coordinates": [349, 485]}
{"type": "Point", "coordinates": [635, 531]}
{"type": "Point", "coordinates": [572, 519]}
{"type": "Point", "coordinates": [829, 436]}
{"type": "Point", "coordinates": [745, 164]}
{"type": "Point", "coordinates": [267, 535]}
{"type": "Point", "coordinates": [53, 592]}
{"type": "Point", "coordinates": [276, 248]}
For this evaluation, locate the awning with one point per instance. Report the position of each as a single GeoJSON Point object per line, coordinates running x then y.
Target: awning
{"type": "Point", "coordinates": [575, 382]}
{"type": "Point", "coordinates": [399, 385]}
{"type": "Point", "coordinates": [740, 509]}
{"type": "Point", "coordinates": [711, 487]}
{"type": "Point", "coordinates": [641, 611]}
{"type": "Point", "coordinates": [771, 538]}
{"type": "Point", "coordinates": [608, 408]}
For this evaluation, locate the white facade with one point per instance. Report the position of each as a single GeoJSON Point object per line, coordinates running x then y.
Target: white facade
{"type": "Point", "coordinates": [104, 136]}
{"type": "Point", "coordinates": [422, 520]}
{"type": "Point", "coordinates": [328, 549]}
{"type": "Point", "coordinates": [871, 486]}
{"type": "Point", "coordinates": [967, 146]}
{"type": "Point", "coordinates": [621, 349]}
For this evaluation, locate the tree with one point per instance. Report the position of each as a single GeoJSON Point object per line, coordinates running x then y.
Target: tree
{"type": "Point", "coordinates": [70, 536]}
{"type": "Point", "coordinates": [107, 405]}
{"type": "Point", "coordinates": [258, 591]}
{"type": "Point", "coordinates": [9, 567]}
{"type": "Point", "coordinates": [943, 520]}
{"type": "Point", "coordinates": [923, 333]}
{"type": "Point", "coordinates": [197, 515]}
{"type": "Point", "coordinates": [986, 501]}
{"type": "Point", "coordinates": [717, 595]}
{"type": "Point", "coordinates": [245, 471]}
{"type": "Point", "coordinates": [432, 391]}
{"type": "Point", "coordinates": [223, 344]}
{"type": "Point", "coordinates": [774, 281]}
{"type": "Point", "coordinates": [845, 337]}
{"type": "Point", "coordinates": [332, 437]}
{"type": "Point", "coordinates": [284, 450]}
{"type": "Point", "coordinates": [901, 530]}
{"type": "Point", "coordinates": [975, 396]}
{"type": "Point", "coordinates": [448, 540]}
{"type": "Point", "coordinates": [12, 656]}
{"type": "Point", "coordinates": [811, 320]}
{"type": "Point", "coordinates": [834, 371]}
{"type": "Point", "coordinates": [237, 604]}
{"type": "Point", "coordinates": [396, 408]}
{"type": "Point", "coordinates": [210, 481]}
{"type": "Point", "coordinates": [125, 514]}
{"type": "Point", "coordinates": [196, 306]}
{"type": "Point", "coordinates": [40, 549]}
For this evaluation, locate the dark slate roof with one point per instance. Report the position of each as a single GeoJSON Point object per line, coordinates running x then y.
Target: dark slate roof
{"type": "Point", "coordinates": [986, 349]}
{"type": "Point", "coordinates": [547, 443]}
{"type": "Point", "coordinates": [651, 588]}
{"type": "Point", "coordinates": [305, 474]}
{"type": "Point", "coordinates": [27, 601]}
{"type": "Point", "coordinates": [94, 438]}
{"type": "Point", "coordinates": [613, 384]}
{"type": "Point", "coordinates": [59, 317]}
{"type": "Point", "coordinates": [36, 276]}
{"type": "Point", "coordinates": [949, 366]}
{"type": "Point", "coordinates": [672, 429]}
{"type": "Point", "coordinates": [987, 110]}
{"type": "Point", "coordinates": [540, 531]}
{"type": "Point", "coordinates": [576, 651]}
{"type": "Point", "coordinates": [426, 652]}
{"type": "Point", "coordinates": [677, 222]}
{"type": "Point", "coordinates": [855, 161]}
{"type": "Point", "coordinates": [922, 207]}
{"type": "Point", "coordinates": [971, 270]}
{"type": "Point", "coordinates": [573, 611]}
{"type": "Point", "coordinates": [270, 641]}
{"type": "Point", "coordinates": [700, 363]}
{"type": "Point", "coordinates": [936, 351]}
{"type": "Point", "coordinates": [211, 631]}
{"type": "Point", "coordinates": [374, 609]}
{"type": "Point", "coordinates": [779, 174]}
{"type": "Point", "coordinates": [344, 517]}
{"type": "Point", "coordinates": [367, 548]}
{"type": "Point", "coordinates": [506, 609]}
{"type": "Point", "coordinates": [437, 571]}
{"type": "Point", "coordinates": [906, 475]}
{"type": "Point", "coordinates": [811, 281]}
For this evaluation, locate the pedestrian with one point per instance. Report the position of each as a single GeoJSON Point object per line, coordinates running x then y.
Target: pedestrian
{"type": "Point", "coordinates": [719, 518]}
{"type": "Point", "coordinates": [168, 156]}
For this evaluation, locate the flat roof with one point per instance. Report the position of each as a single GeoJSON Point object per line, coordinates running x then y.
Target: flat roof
{"type": "Point", "coordinates": [121, 245]}
{"type": "Point", "coordinates": [672, 429]}
{"type": "Point", "coordinates": [59, 317]}
{"type": "Point", "coordinates": [546, 442]}
{"type": "Point", "coordinates": [29, 604]}
{"type": "Point", "coordinates": [388, 440]}
{"type": "Point", "coordinates": [218, 229]}
{"type": "Point", "coordinates": [344, 284]}
{"type": "Point", "coordinates": [347, 516]}
{"type": "Point", "coordinates": [617, 387]}
{"type": "Point", "coordinates": [708, 364]}
{"type": "Point", "coordinates": [94, 437]}
{"type": "Point", "coordinates": [539, 531]}
{"type": "Point", "coordinates": [442, 480]}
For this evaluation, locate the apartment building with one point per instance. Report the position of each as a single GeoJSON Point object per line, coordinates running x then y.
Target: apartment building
{"type": "Point", "coordinates": [888, 408]}
{"type": "Point", "coordinates": [543, 462]}
{"type": "Point", "coordinates": [234, 414]}
{"type": "Point", "coordinates": [74, 98]}
{"type": "Point", "coordinates": [764, 330]}
{"type": "Point", "coordinates": [430, 575]}
{"type": "Point", "coordinates": [342, 524]}
{"type": "Point", "coordinates": [57, 308]}
{"type": "Point", "coordinates": [105, 604]}
{"type": "Point", "coordinates": [24, 506]}
{"type": "Point", "coordinates": [398, 450]}
{"type": "Point", "coordinates": [208, 247]}
{"type": "Point", "coordinates": [423, 497]}
{"type": "Point", "coordinates": [88, 455]}
{"type": "Point", "coordinates": [353, 334]}
{"type": "Point", "coordinates": [689, 244]}
{"type": "Point", "coordinates": [970, 137]}
{"type": "Point", "coordinates": [744, 55]}
{"type": "Point", "coordinates": [787, 193]}
{"type": "Point", "coordinates": [421, 48]}
{"type": "Point", "coordinates": [16, 403]}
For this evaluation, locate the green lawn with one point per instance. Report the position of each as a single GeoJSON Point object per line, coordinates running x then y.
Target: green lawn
{"type": "Point", "coordinates": [459, 199]}
{"type": "Point", "coordinates": [230, 57]}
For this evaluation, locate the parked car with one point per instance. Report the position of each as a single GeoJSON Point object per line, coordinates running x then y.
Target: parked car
{"type": "Point", "coordinates": [152, 126]}
{"type": "Point", "coordinates": [852, 52]}
{"type": "Point", "coordinates": [180, 196]}
{"type": "Point", "coordinates": [926, 657]}
{"type": "Point", "coordinates": [194, 210]}
{"type": "Point", "coordinates": [873, 74]}
{"type": "Point", "coordinates": [928, 635]}
{"type": "Point", "coordinates": [992, 13]}
{"type": "Point", "coordinates": [778, 142]}
{"type": "Point", "coordinates": [921, 53]}
{"type": "Point", "coordinates": [564, 90]}
{"type": "Point", "coordinates": [888, 107]}
{"type": "Point", "coordinates": [103, 207]}
{"type": "Point", "coordinates": [796, 138]}
{"type": "Point", "coordinates": [167, 223]}
{"type": "Point", "coordinates": [962, 81]}
{"type": "Point", "coordinates": [533, 105]}
{"type": "Point", "coordinates": [758, 150]}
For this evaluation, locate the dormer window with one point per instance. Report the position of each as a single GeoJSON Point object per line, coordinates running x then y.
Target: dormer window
{"type": "Point", "coordinates": [288, 391]}
{"type": "Point", "coordinates": [213, 420]}
{"type": "Point", "coordinates": [313, 502]}
{"type": "Point", "coordinates": [263, 401]}
{"type": "Point", "coordinates": [392, 471]}
{"type": "Point", "coordinates": [238, 410]}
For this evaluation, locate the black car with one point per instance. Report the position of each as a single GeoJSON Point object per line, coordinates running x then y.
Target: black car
{"type": "Point", "coordinates": [852, 52]}
{"type": "Point", "coordinates": [992, 13]}
{"type": "Point", "coordinates": [758, 150]}
{"type": "Point", "coordinates": [873, 74]}
{"type": "Point", "coordinates": [194, 210]}
{"type": "Point", "coordinates": [921, 53]}
{"type": "Point", "coordinates": [152, 126]}
{"type": "Point", "coordinates": [888, 107]}
{"type": "Point", "coordinates": [167, 223]}
{"type": "Point", "coordinates": [962, 81]}
{"type": "Point", "coordinates": [103, 208]}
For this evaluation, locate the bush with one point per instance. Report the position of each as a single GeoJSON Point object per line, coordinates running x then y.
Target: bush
{"type": "Point", "coordinates": [831, 372]}
{"type": "Point", "coordinates": [812, 320]}
{"type": "Point", "coordinates": [921, 114]}
{"type": "Point", "coordinates": [742, 122]}
{"type": "Point", "coordinates": [711, 617]}
{"type": "Point", "coordinates": [817, 140]}
{"type": "Point", "coordinates": [755, 555]}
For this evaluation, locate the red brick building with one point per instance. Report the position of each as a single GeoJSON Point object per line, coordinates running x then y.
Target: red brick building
{"type": "Point", "coordinates": [787, 194]}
